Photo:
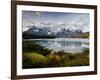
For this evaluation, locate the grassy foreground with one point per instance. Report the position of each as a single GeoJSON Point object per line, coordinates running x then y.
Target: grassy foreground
{"type": "Point", "coordinates": [35, 56]}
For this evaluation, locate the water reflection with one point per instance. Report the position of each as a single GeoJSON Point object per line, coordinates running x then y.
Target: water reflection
{"type": "Point", "coordinates": [67, 45]}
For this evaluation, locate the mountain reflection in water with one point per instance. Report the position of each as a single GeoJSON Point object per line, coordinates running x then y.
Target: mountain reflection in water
{"type": "Point", "coordinates": [64, 44]}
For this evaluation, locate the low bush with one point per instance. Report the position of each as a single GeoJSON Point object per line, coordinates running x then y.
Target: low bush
{"type": "Point", "coordinates": [34, 60]}
{"type": "Point", "coordinates": [29, 46]}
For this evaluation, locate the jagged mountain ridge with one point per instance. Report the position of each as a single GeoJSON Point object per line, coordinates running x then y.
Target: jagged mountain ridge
{"type": "Point", "coordinates": [36, 32]}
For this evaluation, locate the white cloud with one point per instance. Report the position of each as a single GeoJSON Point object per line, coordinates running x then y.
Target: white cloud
{"type": "Point", "coordinates": [46, 23]}
{"type": "Point", "coordinates": [27, 24]}
{"type": "Point", "coordinates": [37, 13]}
{"type": "Point", "coordinates": [79, 24]}
{"type": "Point", "coordinates": [25, 28]}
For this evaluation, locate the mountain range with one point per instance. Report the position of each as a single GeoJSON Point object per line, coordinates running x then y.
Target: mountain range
{"type": "Point", "coordinates": [48, 32]}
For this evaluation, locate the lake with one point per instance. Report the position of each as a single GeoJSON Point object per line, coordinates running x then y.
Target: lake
{"type": "Point", "coordinates": [70, 45]}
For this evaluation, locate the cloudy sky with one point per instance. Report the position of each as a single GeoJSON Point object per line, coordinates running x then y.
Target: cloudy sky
{"type": "Point", "coordinates": [56, 20]}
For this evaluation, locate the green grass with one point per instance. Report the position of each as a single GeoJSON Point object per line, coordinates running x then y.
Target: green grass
{"type": "Point", "coordinates": [35, 60]}
{"type": "Point", "coordinates": [85, 35]}
{"type": "Point", "coordinates": [35, 56]}
{"type": "Point", "coordinates": [29, 46]}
